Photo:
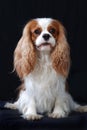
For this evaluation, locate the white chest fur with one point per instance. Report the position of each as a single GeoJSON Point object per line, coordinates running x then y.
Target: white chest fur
{"type": "Point", "coordinates": [44, 85]}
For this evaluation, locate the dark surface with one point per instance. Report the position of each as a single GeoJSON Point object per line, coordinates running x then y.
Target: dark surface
{"type": "Point", "coordinates": [11, 119]}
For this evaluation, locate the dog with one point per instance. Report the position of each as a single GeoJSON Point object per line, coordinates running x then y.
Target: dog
{"type": "Point", "coordinates": [42, 62]}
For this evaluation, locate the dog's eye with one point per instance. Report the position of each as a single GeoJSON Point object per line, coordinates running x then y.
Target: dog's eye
{"type": "Point", "coordinates": [37, 31]}
{"type": "Point", "coordinates": [52, 30]}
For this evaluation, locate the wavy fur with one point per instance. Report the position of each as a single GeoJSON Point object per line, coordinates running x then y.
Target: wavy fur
{"type": "Point", "coordinates": [61, 54]}
{"type": "Point", "coordinates": [24, 54]}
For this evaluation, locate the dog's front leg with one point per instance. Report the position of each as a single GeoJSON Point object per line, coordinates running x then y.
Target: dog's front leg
{"type": "Point", "coordinates": [61, 109]}
{"type": "Point", "coordinates": [29, 111]}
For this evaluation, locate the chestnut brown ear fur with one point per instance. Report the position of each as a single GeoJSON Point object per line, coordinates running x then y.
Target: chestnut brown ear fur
{"type": "Point", "coordinates": [24, 54]}
{"type": "Point", "coordinates": [61, 54]}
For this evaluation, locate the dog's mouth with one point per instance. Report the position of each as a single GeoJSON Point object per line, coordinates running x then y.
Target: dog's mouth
{"type": "Point", "coordinates": [44, 45]}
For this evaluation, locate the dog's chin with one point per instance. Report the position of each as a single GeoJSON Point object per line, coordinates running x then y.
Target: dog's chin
{"type": "Point", "coordinates": [44, 47]}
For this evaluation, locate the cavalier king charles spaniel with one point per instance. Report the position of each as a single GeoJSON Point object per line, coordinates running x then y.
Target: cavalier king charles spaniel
{"type": "Point", "coordinates": [42, 61]}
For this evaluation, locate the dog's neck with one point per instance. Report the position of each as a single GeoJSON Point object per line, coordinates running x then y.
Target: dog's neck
{"type": "Point", "coordinates": [44, 57]}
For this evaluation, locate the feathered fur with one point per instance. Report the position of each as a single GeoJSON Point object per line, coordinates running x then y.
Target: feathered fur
{"type": "Point", "coordinates": [61, 54]}
{"type": "Point", "coordinates": [25, 54]}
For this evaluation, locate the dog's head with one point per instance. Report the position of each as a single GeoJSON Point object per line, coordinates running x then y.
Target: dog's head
{"type": "Point", "coordinates": [42, 34]}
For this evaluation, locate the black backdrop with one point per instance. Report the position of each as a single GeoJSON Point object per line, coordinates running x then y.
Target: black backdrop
{"type": "Point", "coordinates": [13, 16]}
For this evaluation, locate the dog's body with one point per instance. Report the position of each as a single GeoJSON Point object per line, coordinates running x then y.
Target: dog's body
{"type": "Point", "coordinates": [45, 74]}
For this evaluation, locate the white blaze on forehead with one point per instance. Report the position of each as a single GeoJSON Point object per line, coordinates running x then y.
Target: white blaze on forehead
{"type": "Point", "coordinates": [44, 22]}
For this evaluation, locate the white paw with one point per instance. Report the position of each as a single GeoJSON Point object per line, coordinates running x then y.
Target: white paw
{"type": "Point", "coordinates": [57, 114]}
{"type": "Point", "coordinates": [10, 105]}
{"type": "Point", "coordinates": [82, 109]}
{"type": "Point", "coordinates": [32, 116]}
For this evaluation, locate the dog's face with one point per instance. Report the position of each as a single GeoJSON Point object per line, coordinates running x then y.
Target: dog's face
{"type": "Point", "coordinates": [44, 33]}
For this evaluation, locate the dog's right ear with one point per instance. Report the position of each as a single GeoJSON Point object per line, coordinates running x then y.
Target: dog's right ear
{"type": "Point", "coordinates": [24, 54]}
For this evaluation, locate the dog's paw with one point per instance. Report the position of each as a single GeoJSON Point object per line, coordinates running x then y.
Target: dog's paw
{"type": "Point", "coordinates": [32, 116]}
{"type": "Point", "coordinates": [57, 114]}
{"type": "Point", "coordinates": [81, 109]}
{"type": "Point", "coordinates": [10, 105]}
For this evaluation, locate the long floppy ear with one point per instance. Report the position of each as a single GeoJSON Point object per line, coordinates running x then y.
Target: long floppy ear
{"type": "Point", "coordinates": [24, 54]}
{"type": "Point", "coordinates": [61, 54]}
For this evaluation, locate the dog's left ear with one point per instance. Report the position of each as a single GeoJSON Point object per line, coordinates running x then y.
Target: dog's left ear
{"type": "Point", "coordinates": [25, 54]}
{"type": "Point", "coordinates": [61, 54]}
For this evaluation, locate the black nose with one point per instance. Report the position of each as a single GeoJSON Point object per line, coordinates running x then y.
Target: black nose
{"type": "Point", "coordinates": [46, 37]}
